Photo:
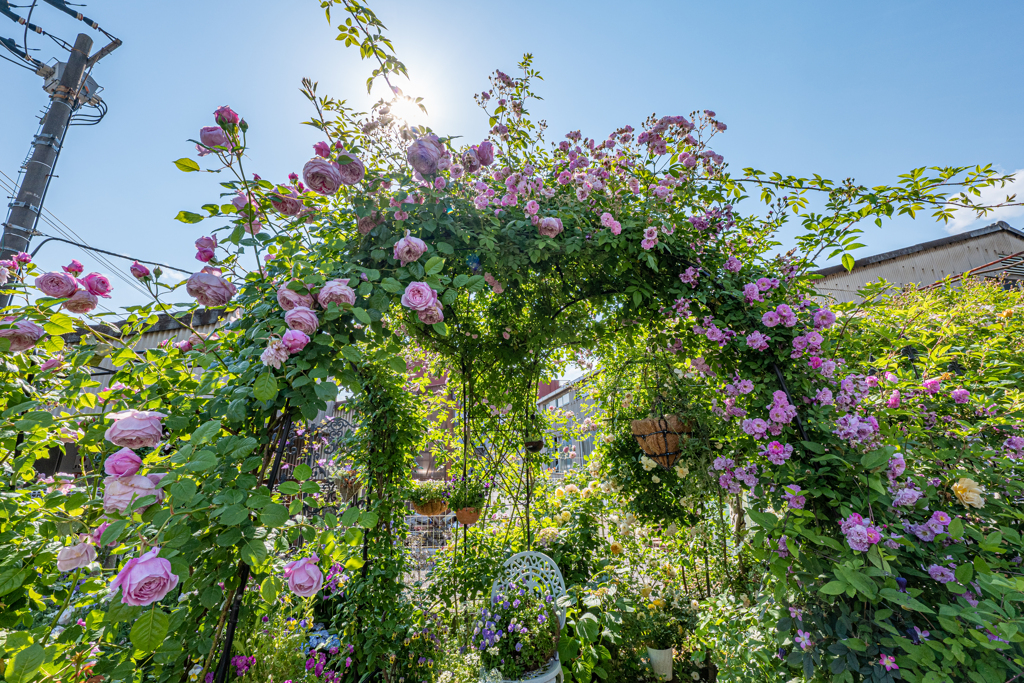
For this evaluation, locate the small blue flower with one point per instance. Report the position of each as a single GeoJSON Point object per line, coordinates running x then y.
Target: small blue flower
{"type": "Point", "coordinates": [519, 646]}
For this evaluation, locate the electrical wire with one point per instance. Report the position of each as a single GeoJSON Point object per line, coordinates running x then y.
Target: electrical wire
{"type": "Point", "coordinates": [15, 63]}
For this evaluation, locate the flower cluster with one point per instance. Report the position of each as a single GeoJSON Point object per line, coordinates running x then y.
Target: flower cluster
{"type": "Point", "coordinates": [860, 535]}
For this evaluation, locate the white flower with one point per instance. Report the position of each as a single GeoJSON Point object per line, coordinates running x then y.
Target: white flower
{"type": "Point", "coordinates": [655, 478]}
{"type": "Point", "coordinates": [648, 463]}
{"type": "Point", "coordinates": [682, 471]}
{"type": "Point", "coordinates": [695, 676]}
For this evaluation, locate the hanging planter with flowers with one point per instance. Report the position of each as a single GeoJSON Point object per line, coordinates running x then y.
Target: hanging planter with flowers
{"type": "Point", "coordinates": [428, 497]}
{"type": "Point", "coordinates": [659, 438]}
{"type": "Point", "coordinates": [467, 496]}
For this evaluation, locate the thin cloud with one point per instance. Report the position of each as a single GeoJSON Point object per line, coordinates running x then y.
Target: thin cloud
{"type": "Point", "coordinates": [965, 219]}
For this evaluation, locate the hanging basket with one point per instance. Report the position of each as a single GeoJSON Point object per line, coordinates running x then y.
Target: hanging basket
{"type": "Point", "coordinates": [659, 438]}
{"type": "Point", "coordinates": [348, 488]}
{"type": "Point", "coordinates": [431, 508]}
{"type": "Point", "coordinates": [467, 516]}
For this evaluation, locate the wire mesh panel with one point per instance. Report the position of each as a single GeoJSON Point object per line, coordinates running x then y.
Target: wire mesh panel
{"type": "Point", "coordinates": [428, 534]}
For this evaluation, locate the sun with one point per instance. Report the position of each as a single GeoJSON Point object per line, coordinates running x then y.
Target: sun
{"type": "Point", "coordinates": [406, 109]}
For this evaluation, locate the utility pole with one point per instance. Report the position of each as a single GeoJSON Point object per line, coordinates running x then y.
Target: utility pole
{"type": "Point", "coordinates": [26, 207]}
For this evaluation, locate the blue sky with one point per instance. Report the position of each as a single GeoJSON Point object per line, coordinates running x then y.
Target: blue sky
{"type": "Point", "coordinates": [865, 90]}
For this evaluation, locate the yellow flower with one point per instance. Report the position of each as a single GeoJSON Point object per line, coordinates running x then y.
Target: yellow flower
{"type": "Point", "coordinates": [560, 492]}
{"type": "Point", "coordinates": [645, 591]}
{"type": "Point", "coordinates": [969, 493]}
{"type": "Point", "coordinates": [616, 548]}
{"type": "Point", "coordinates": [595, 485]}
{"type": "Point", "coordinates": [572, 488]}
{"type": "Point", "coordinates": [658, 602]}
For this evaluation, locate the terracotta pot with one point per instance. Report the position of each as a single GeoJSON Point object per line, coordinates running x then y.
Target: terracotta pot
{"type": "Point", "coordinates": [434, 507]}
{"type": "Point", "coordinates": [467, 516]}
{"type": "Point", "coordinates": [661, 662]}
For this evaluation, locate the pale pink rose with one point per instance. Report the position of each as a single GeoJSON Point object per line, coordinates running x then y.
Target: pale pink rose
{"type": "Point", "coordinates": [550, 226]}
{"type": "Point", "coordinates": [96, 534]}
{"type": "Point", "coordinates": [81, 302]}
{"type": "Point", "coordinates": [139, 271]}
{"type": "Point", "coordinates": [275, 354]}
{"type": "Point", "coordinates": [253, 228]}
{"type": "Point", "coordinates": [55, 362]}
{"type": "Point", "coordinates": [338, 292]}
{"type": "Point", "coordinates": [70, 435]}
{"type": "Point", "coordinates": [75, 556]}
{"type": "Point", "coordinates": [485, 152]}
{"type": "Point", "coordinates": [119, 492]}
{"type": "Point", "coordinates": [97, 284]}
{"type": "Point", "coordinates": [321, 176]}
{"type": "Point", "coordinates": [287, 204]}
{"type": "Point", "coordinates": [214, 136]}
{"type": "Point", "coordinates": [57, 285]}
{"type": "Point", "coordinates": [304, 577]}
{"type": "Point", "coordinates": [135, 428]}
{"type": "Point", "coordinates": [23, 335]}
{"type": "Point", "coordinates": [288, 299]}
{"type": "Point", "coordinates": [144, 580]}
{"type": "Point", "coordinates": [303, 319]}
{"type": "Point", "coordinates": [351, 172]}
{"type": "Point", "coordinates": [156, 477]}
{"type": "Point", "coordinates": [431, 315]}
{"type": "Point", "coordinates": [424, 154]}
{"type": "Point", "coordinates": [240, 200]}
{"type": "Point", "coordinates": [209, 288]}
{"type": "Point", "coordinates": [419, 296]}
{"type": "Point", "coordinates": [367, 223]}
{"type": "Point", "coordinates": [409, 249]}
{"type": "Point", "coordinates": [123, 463]}
{"type": "Point", "coordinates": [294, 340]}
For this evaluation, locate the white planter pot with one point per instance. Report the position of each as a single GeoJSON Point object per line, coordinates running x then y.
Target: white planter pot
{"type": "Point", "coordinates": [661, 662]}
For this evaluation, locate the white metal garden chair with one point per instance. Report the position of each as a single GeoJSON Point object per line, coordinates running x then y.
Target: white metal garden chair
{"type": "Point", "coordinates": [533, 570]}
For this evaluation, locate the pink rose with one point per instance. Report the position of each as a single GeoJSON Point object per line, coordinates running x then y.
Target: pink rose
{"type": "Point", "coordinates": [74, 268]}
{"type": "Point", "coordinates": [57, 285]}
{"type": "Point", "coordinates": [367, 223]}
{"type": "Point", "coordinates": [205, 248]}
{"type": "Point", "coordinates": [119, 492]}
{"type": "Point", "coordinates": [322, 149]}
{"type": "Point", "coordinates": [139, 271]}
{"type": "Point", "coordinates": [209, 288]}
{"type": "Point", "coordinates": [338, 292]}
{"type": "Point", "coordinates": [135, 428]}
{"type": "Point", "coordinates": [419, 296]}
{"type": "Point", "coordinates": [409, 249]}
{"type": "Point", "coordinates": [23, 335]}
{"type": "Point", "coordinates": [75, 556]}
{"type": "Point", "coordinates": [550, 226]}
{"type": "Point", "coordinates": [321, 176]}
{"type": "Point", "coordinates": [287, 204]}
{"type": "Point", "coordinates": [294, 340]}
{"type": "Point", "coordinates": [224, 115]}
{"type": "Point", "coordinates": [288, 299]}
{"type": "Point", "coordinates": [144, 580]}
{"type": "Point", "coordinates": [485, 152]}
{"type": "Point", "coordinates": [96, 534]}
{"type": "Point", "coordinates": [81, 302]}
{"type": "Point", "coordinates": [97, 284]}
{"type": "Point", "coordinates": [471, 161]}
{"type": "Point", "coordinates": [214, 136]}
{"type": "Point", "coordinates": [156, 478]}
{"type": "Point", "coordinates": [424, 154]}
{"type": "Point", "coordinates": [303, 319]}
{"type": "Point", "coordinates": [123, 463]}
{"type": "Point", "coordinates": [55, 362]}
{"type": "Point", "coordinates": [352, 171]}
{"type": "Point", "coordinates": [431, 315]}
{"type": "Point", "coordinates": [304, 577]}
{"type": "Point", "coordinates": [240, 200]}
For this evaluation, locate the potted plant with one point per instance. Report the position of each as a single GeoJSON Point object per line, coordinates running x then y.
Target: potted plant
{"type": "Point", "coordinates": [517, 634]}
{"type": "Point", "coordinates": [660, 632]}
{"type": "Point", "coordinates": [427, 497]}
{"type": "Point", "coordinates": [346, 479]}
{"type": "Point", "coordinates": [467, 495]}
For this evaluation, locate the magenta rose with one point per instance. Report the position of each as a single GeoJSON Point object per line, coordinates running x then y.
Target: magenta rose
{"type": "Point", "coordinates": [431, 315]}
{"type": "Point", "coordinates": [224, 115]}
{"type": "Point", "coordinates": [139, 271]}
{"type": "Point", "coordinates": [287, 204]}
{"type": "Point", "coordinates": [304, 577]}
{"type": "Point", "coordinates": [74, 268]}
{"type": "Point", "coordinates": [144, 580]}
{"type": "Point", "coordinates": [214, 136]}
{"type": "Point", "coordinates": [97, 285]}
{"type": "Point", "coordinates": [409, 249]}
{"type": "Point", "coordinates": [23, 335]}
{"type": "Point", "coordinates": [338, 292]}
{"type": "Point", "coordinates": [367, 223]}
{"type": "Point", "coordinates": [352, 171]}
{"type": "Point", "coordinates": [424, 154]}
{"type": "Point", "coordinates": [321, 176]}
{"type": "Point", "coordinates": [549, 226]}
{"type": "Point", "coordinates": [123, 463]}
{"type": "Point", "coordinates": [289, 298]}
{"type": "Point", "coordinates": [303, 319]}
{"type": "Point", "coordinates": [485, 152]}
{"type": "Point", "coordinates": [81, 302]}
{"type": "Point", "coordinates": [57, 285]}
{"type": "Point", "coordinates": [205, 248]}
{"type": "Point", "coordinates": [209, 288]}
{"type": "Point", "coordinates": [294, 340]}
{"type": "Point", "coordinates": [322, 149]}
{"type": "Point", "coordinates": [135, 428]}
{"type": "Point", "coordinates": [419, 296]}
{"type": "Point", "coordinates": [75, 557]}
{"type": "Point", "coordinates": [471, 161]}
{"type": "Point", "coordinates": [119, 492]}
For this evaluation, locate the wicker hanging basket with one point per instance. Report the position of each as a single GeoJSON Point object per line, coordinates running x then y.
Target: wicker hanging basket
{"type": "Point", "coordinates": [431, 508]}
{"type": "Point", "coordinates": [659, 438]}
{"type": "Point", "coordinates": [467, 516]}
{"type": "Point", "coordinates": [348, 488]}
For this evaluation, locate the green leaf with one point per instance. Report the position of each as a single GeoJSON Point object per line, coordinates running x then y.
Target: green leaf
{"type": "Point", "coordinates": [361, 315]}
{"type": "Point", "coordinates": [288, 488]}
{"type": "Point", "coordinates": [964, 573]}
{"type": "Point", "coordinates": [234, 515]}
{"type": "Point", "coordinates": [460, 280]}
{"type": "Point", "coordinates": [23, 667]}
{"type": "Point", "coordinates": [271, 588]}
{"type": "Point", "coordinates": [834, 588]}
{"type": "Point", "coordinates": [206, 432]}
{"type": "Point", "coordinates": [813, 447]}
{"type": "Point", "coordinates": [350, 517]}
{"type": "Point", "coordinates": [112, 532]}
{"type": "Point", "coordinates": [254, 552]}
{"type": "Point", "coordinates": [956, 528]}
{"type": "Point", "coordinates": [441, 329]}
{"type": "Point", "coordinates": [397, 364]}
{"type": "Point", "coordinates": [848, 263]}
{"type": "Point", "coordinates": [861, 582]}
{"type": "Point", "coordinates": [188, 217]}
{"type": "Point", "coordinates": [434, 265]}
{"type": "Point", "coordinates": [354, 563]}
{"type": "Point", "coordinates": [303, 472]}
{"type": "Point", "coordinates": [874, 459]}
{"type": "Point", "coordinates": [368, 520]}
{"type": "Point", "coordinates": [274, 515]}
{"type": "Point", "coordinates": [265, 388]}
{"type": "Point", "coordinates": [445, 248]}
{"type": "Point", "coordinates": [351, 353]}
{"type": "Point", "coordinates": [203, 460]}
{"type": "Point", "coordinates": [236, 410]}
{"type": "Point", "coordinates": [186, 164]}
{"type": "Point", "coordinates": [211, 597]}
{"type": "Point", "coordinates": [149, 630]}
{"type": "Point", "coordinates": [59, 324]}
{"type": "Point", "coordinates": [12, 579]}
